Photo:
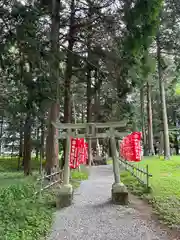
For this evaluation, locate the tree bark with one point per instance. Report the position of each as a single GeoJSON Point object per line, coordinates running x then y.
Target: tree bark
{"type": "Point", "coordinates": [69, 66]}
{"type": "Point", "coordinates": [51, 142]}
{"type": "Point", "coordinates": [21, 140]}
{"type": "Point", "coordinates": [42, 138]}
{"type": "Point", "coordinates": [68, 73]}
{"type": "Point", "coordinates": [1, 133]}
{"type": "Point", "coordinates": [134, 124]}
{"type": "Point", "coordinates": [143, 129]}
{"type": "Point", "coordinates": [37, 140]}
{"type": "Point", "coordinates": [150, 125]}
{"type": "Point", "coordinates": [163, 102]}
{"type": "Point", "coordinates": [12, 149]}
{"type": "Point", "coordinates": [176, 142]}
{"type": "Point", "coordinates": [89, 95]}
{"type": "Point", "coordinates": [89, 110]}
{"type": "Point", "coordinates": [27, 145]}
{"type": "Point", "coordinates": [20, 144]}
{"type": "Point", "coordinates": [97, 96]}
{"type": "Point", "coordinates": [82, 113]}
{"type": "Point", "coordinates": [89, 82]}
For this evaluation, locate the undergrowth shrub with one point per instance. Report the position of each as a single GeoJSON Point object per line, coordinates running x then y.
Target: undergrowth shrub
{"type": "Point", "coordinates": [22, 215]}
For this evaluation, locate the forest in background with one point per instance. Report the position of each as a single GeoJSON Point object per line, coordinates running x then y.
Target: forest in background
{"type": "Point", "coordinates": [78, 61]}
{"type": "Point", "coordinates": [94, 61]}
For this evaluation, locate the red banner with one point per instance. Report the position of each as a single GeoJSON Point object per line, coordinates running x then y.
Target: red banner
{"type": "Point", "coordinates": [78, 152]}
{"type": "Point", "coordinates": [130, 147]}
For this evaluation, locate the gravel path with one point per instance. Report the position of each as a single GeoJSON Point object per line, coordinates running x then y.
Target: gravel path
{"type": "Point", "coordinates": [93, 217]}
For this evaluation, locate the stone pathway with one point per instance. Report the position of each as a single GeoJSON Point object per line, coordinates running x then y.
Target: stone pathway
{"type": "Point", "coordinates": [93, 217]}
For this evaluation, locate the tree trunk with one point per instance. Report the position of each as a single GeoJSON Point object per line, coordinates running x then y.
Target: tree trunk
{"type": "Point", "coordinates": [27, 145]}
{"type": "Point", "coordinates": [89, 95]}
{"type": "Point", "coordinates": [20, 144]}
{"type": "Point", "coordinates": [1, 133]}
{"type": "Point", "coordinates": [69, 66]}
{"type": "Point", "coordinates": [37, 141]}
{"type": "Point", "coordinates": [51, 140]}
{"type": "Point", "coordinates": [176, 142]}
{"type": "Point", "coordinates": [51, 143]}
{"type": "Point", "coordinates": [134, 124]}
{"type": "Point", "coordinates": [12, 149]}
{"type": "Point", "coordinates": [21, 140]}
{"type": "Point", "coordinates": [143, 129]}
{"type": "Point", "coordinates": [68, 73]}
{"type": "Point", "coordinates": [42, 138]}
{"type": "Point", "coordinates": [89, 83]}
{"type": "Point", "coordinates": [89, 111]}
{"type": "Point", "coordinates": [163, 103]}
{"type": "Point", "coordinates": [95, 110]}
{"type": "Point", "coordinates": [82, 113]}
{"type": "Point", "coordinates": [150, 125]}
{"type": "Point", "coordinates": [97, 95]}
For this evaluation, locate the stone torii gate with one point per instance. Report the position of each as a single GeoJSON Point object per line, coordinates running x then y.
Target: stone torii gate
{"type": "Point", "coordinates": [119, 191]}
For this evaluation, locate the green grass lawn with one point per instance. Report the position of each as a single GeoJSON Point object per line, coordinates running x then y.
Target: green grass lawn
{"type": "Point", "coordinates": [109, 161]}
{"type": "Point", "coordinates": [24, 216]}
{"type": "Point", "coordinates": [165, 185]}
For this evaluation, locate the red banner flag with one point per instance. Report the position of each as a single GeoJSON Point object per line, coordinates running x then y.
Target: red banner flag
{"type": "Point", "coordinates": [78, 152]}
{"type": "Point", "coordinates": [130, 147]}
